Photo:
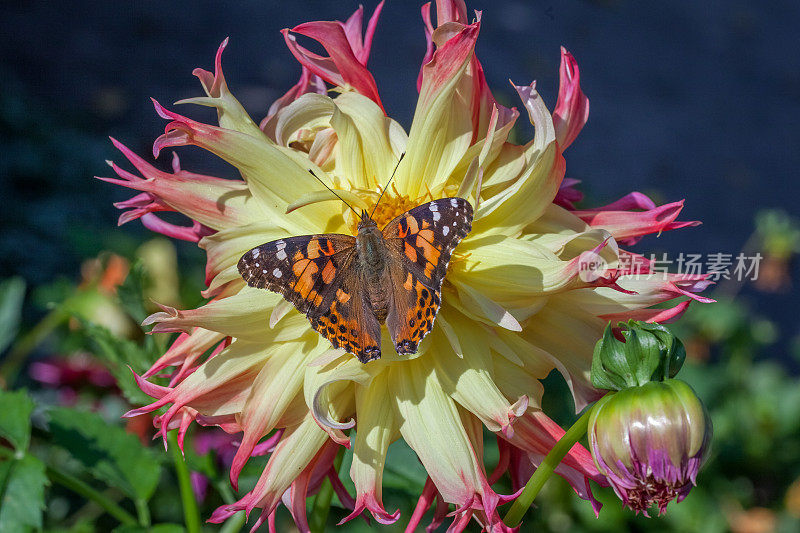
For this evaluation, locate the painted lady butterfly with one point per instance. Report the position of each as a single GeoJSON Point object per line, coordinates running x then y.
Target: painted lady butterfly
{"type": "Point", "coordinates": [347, 286]}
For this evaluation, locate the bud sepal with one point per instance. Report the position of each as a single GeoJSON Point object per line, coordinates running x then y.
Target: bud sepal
{"type": "Point", "coordinates": [635, 353]}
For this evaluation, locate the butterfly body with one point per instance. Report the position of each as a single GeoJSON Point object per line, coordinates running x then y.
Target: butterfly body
{"type": "Point", "coordinates": [372, 253]}
{"type": "Point", "coordinates": [348, 286]}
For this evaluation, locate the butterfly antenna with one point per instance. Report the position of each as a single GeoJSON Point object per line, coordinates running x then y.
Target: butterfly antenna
{"type": "Point", "coordinates": [334, 193]}
{"type": "Point", "coordinates": [387, 184]}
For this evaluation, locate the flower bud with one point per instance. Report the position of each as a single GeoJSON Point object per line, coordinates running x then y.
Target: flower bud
{"type": "Point", "coordinates": [650, 441]}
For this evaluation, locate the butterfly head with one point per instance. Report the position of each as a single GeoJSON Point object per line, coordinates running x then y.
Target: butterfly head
{"type": "Point", "coordinates": [366, 220]}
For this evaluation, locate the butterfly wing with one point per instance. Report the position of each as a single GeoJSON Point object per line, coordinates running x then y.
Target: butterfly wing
{"type": "Point", "coordinates": [302, 269]}
{"type": "Point", "coordinates": [421, 242]}
{"type": "Point", "coordinates": [348, 321]}
{"type": "Point", "coordinates": [316, 274]}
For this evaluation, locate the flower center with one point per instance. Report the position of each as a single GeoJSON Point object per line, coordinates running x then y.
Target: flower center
{"type": "Point", "coordinates": [392, 205]}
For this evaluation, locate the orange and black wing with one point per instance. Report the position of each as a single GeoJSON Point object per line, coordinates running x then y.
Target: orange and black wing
{"type": "Point", "coordinates": [302, 269]}
{"type": "Point", "coordinates": [348, 320]}
{"type": "Point", "coordinates": [421, 242]}
{"type": "Point", "coordinates": [316, 274]}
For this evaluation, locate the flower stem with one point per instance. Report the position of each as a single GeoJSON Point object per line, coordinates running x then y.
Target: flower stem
{"type": "Point", "coordinates": [142, 512]}
{"type": "Point", "coordinates": [191, 515]}
{"type": "Point", "coordinates": [543, 472]}
{"type": "Point", "coordinates": [322, 503]}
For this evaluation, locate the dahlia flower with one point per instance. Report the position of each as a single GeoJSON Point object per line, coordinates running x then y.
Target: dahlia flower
{"type": "Point", "coordinates": [513, 305]}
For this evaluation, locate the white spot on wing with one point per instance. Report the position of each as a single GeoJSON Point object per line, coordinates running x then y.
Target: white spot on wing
{"type": "Point", "coordinates": [277, 273]}
{"type": "Point", "coordinates": [445, 230]}
{"type": "Point", "coordinates": [453, 202]}
{"type": "Point", "coordinates": [281, 254]}
{"type": "Point", "coordinates": [433, 207]}
{"type": "Point", "coordinates": [264, 271]}
{"type": "Point", "coordinates": [280, 245]}
{"type": "Point", "coordinates": [436, 216]}
{"type": "Point", "coordinates": [256, 251]}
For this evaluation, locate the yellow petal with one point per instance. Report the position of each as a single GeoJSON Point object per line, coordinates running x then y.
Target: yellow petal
{"type": "Point", "coordinates": [322, 384]}
{"type": "Point", "coordinates": [469, 382]}
{"type": "Point", "coordinates": [481, 305]}
{"type": "Point", "coordinates": [325, 195]}
{"type": "Point", "coordinates": [431, 425]}
{"type": "Point", "coordinates": [568, 336]}
{"type": "Point", "coordinates": [377, 428]}
{"type": "Point", "coordinates": [513, 208]}
{"type": "Point", "coordinates": [244, 315]}
{"type": "Point", "coordinates": [365, 156]}
{"type": "Point", "coordinates": [225, 248]}
{"type": "Point", "coordinates": [308, 113]}
{"type": "Point", "coordinates": [441, 130]}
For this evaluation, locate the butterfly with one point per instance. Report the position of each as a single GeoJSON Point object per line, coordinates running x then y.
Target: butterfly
{"type": "Point", "coordinates": [348, 286]}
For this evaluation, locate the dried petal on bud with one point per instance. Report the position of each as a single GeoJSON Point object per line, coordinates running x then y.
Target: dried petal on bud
{"type": "Point", "coordinates": [645, 352]}
{"type": "Point", "coordinates": [650, 442]}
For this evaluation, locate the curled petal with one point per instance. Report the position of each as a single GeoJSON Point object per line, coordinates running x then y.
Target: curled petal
{"type": "Point", "coordinates": [308, 83]}
{"type": "Point", "coordinates": [213, 202]}
{"type": "Point", "coordinates": [230, 113]}
{"type": "Point", "coordinates": [323, 384]}
{"type": "Point", "coordinates": [572, 107]}
{"type": "Point", "coordinates": [524, 201]}
{"type": "Point", "coordinates": [345, 65]}
{"type": "Point", "coordinates": [629, 226]}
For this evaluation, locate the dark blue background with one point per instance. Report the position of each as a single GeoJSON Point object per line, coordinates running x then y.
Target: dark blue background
{"type": "Point", "coordinates": [688, 100]}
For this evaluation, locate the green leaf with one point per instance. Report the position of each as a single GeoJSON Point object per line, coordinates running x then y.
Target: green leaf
{"type": "Point", "coordinates": [12, 294]}
{"type": "Point", "coordinates": [22, 481]}
{"type": "Point", "coordinates": [131, 292]}
{"type": "Point", "coordinates": [15, 418]}
{"type": "Point", "coordinates": [110, 453]}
